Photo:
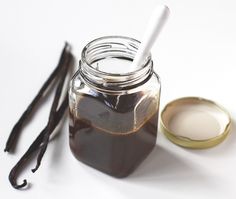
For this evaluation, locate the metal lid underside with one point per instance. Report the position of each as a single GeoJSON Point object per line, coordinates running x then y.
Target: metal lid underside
{"type": "Point", "coordinates": [195, 122]}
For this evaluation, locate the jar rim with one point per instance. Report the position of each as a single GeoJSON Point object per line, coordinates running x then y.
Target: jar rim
{"type": "Point", "coordinates": [86, 48]}
{"type": "Point", "coordinates": [114, 81]}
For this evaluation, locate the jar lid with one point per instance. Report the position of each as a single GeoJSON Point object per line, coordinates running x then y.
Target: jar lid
{"type": "Point", "coordinates": [195, 122]}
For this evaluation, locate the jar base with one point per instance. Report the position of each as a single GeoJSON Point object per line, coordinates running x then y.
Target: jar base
{"type": "Point", "coordinates": [116, 174]}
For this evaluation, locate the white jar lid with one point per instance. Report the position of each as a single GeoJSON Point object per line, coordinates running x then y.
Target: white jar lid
{"type": "Point", "coordinates": [195, 122]}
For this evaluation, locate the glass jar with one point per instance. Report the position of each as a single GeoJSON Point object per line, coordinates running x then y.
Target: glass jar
{"type": "Point", "coordinates": [113, 109]}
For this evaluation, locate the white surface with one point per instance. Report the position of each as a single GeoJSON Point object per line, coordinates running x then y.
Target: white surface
{"type": "Point", "coordinates": [195, 56]}
{"type": "Point", "coordinates": [155, 24]}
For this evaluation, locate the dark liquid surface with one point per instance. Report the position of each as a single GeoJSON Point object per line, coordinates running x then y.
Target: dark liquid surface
{"type": "Point", "coordinates": [107, 135]}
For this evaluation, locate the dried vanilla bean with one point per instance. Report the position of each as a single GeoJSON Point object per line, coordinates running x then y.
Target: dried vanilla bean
{"type": "Point", "coordinates": [33, 148]}
{"type": "Point", "coordinates": [52, 115]}
{"type": "Point", "coordinates": [40, 143]}
{"type": "Point", "coordinates": [12, 139]}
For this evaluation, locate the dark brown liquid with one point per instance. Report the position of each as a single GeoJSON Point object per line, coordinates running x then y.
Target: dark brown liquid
{"type": "Point", "coordinates": [103, 132]}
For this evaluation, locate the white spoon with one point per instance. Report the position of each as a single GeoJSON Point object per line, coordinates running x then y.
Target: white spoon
{"type": "Point", "coordinates": [156, 22]}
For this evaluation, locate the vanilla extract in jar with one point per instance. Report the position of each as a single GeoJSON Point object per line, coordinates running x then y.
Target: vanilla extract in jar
{"type": "Point", "coordinates": [113, 109]}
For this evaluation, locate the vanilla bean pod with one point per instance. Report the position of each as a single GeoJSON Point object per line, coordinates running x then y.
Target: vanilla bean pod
{"type": "Point", "coordinates": [12, 139]}
{"type": "Point", "coordinates": [52, 114]}
{"type": "Point", "coordinates": [34, 147]}
{"type": "Point", "coordinates": [56, 114]}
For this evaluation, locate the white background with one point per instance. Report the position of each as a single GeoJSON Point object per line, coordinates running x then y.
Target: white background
{"type": "Point", "coordinates": [195, 56]}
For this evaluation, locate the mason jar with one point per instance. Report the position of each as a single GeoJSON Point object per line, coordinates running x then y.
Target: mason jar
{"type": "Point", "coordinates": [113, 108]}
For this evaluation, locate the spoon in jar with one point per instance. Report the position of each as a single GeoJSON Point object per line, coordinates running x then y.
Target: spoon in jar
{"type": "Point", "coordinates": [154, 27]}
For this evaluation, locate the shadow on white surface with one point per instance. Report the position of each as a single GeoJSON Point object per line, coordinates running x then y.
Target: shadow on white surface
{"type": "Point", "coordinates": [161, 165]}
{"type": "Point", "coordinates": [165, 171]}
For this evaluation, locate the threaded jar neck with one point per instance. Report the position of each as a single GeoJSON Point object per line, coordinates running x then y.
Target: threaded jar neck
{"type": "Point", "coordinates": [99, 69]}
